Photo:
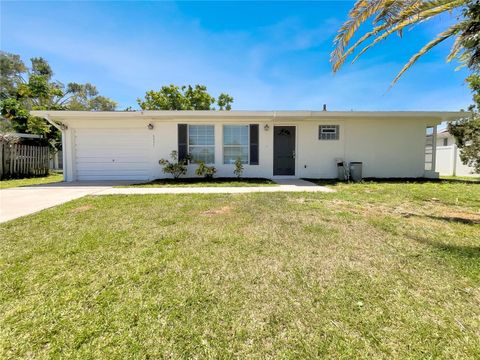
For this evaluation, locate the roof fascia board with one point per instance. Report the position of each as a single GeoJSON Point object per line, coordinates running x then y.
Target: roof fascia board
{"type": "Point", "coordinates": [236, 114]}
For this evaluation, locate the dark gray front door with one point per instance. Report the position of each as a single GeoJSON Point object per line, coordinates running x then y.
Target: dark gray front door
{"type": "Point", "coordinates": [284, 150]}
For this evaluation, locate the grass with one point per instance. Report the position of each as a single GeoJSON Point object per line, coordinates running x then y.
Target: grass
{"type": "Point", "coordinates": [375, 270]}
{"type": "Point", "coordinates": [201, 182]}
{"type": "Point", "coordinates": [51, 178]}
{"type": "Point", "coordinates": [461, 178]}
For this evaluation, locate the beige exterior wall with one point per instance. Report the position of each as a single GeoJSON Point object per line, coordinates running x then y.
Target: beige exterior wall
{"type": "Point", "coordinates": [388, 147]}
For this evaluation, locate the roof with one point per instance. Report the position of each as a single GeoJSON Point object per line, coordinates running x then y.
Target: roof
{"type": "Point", "coordinates": [267, 115]}
{"type": "Point", "coordinates": [443, 133]}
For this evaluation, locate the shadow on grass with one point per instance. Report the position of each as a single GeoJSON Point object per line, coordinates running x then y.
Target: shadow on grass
{"type": "Point", "coordinates": [453, 219]}
{"type": "Point", "coordinates": [218, 180]}
{"type": "Point", "coordinates": [334, 182]}
{"type": "Point", "coordinates": [470, 252]}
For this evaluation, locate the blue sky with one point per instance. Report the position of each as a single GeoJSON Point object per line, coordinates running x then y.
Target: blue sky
{"type": "Point", "coordinates": [268, 55]}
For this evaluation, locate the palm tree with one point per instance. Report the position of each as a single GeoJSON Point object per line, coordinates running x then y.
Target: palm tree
{"type": "Point", "coordinates": [393, 16]}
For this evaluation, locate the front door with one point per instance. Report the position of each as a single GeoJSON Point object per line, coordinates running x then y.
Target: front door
{"type": "Point", "coordinates": [284, 150]}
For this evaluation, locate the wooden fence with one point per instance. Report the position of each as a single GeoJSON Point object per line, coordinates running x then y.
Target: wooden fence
{"type": "Point", "coordinates": [23, 160]}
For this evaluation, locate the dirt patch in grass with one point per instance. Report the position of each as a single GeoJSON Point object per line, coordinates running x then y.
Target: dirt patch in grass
{"type": "Point", "coordinates": [221, 211]}
{"type": "Point", "coordinates": [82, 208]}
{"type": "Point", "coordinates": [462, 216]}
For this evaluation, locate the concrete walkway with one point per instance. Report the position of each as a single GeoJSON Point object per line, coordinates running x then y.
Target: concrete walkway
{"type": "Point", "coordinates": [21, 201]}
{"type": "Point", "coordinates": [295, 185]}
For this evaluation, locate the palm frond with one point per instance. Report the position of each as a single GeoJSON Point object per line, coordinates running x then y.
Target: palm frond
{"type": "Point", "coordinates": [360, 12]}
{"type": "Point", "coordinates": [425, 15]}
{"type": "Point", "coordinates": [457, 45]}
{"type": "Point", "coordinates": [391, 13]}
{"type": "Point", "coordinates": [441, 37]}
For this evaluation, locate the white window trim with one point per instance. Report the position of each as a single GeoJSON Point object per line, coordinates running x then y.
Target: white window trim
{"type": "Point", "coordinates": [334, 127]}
{"type": "Point", "coordinates": [223, 145]}
{"type": "Point", "coordinates": [189, 146]}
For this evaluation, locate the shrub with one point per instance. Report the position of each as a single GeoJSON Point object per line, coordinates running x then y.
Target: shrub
{"type": "Point", "coordinates": [175, 167]}
{"type": "Point", "coordinates": [206, 171]}
{"type": "Point", "coordinates": [238, 171]}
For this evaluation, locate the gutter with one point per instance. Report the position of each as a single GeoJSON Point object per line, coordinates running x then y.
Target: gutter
{"type": "Point", "coordinates": [62, 128]}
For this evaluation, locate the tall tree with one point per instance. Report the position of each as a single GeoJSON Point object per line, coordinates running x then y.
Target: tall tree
{"type": "Point", "coordinates": [393, 16]}
{"type": "Point", "coordinates": [173, 97]}
{"type": "Point", "coordinates": [24, 89]}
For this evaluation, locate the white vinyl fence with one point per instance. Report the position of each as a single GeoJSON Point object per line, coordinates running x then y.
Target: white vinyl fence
{"type": "Point", "coordinates": [23, 160]}
{"type": "Point", "coordinates": [448, 162]}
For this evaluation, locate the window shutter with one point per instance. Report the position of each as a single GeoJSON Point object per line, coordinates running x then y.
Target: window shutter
{"type": "Point", "coordinates": [182, 141]}
{"type": "Point", "coordinates": [253, 144]}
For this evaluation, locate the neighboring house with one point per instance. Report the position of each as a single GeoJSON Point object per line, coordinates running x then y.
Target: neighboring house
{"type": "Point", "coordinates": [448, 160]}
{"type": "Point", "coordinates": [271, 144]}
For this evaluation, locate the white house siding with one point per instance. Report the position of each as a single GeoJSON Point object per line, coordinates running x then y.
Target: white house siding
{"type": "Point", "coordinates": [387, 147]}
{"type": "Point", "coordinates": [111, 148]}
{"type": "Point", "coordinates": [379, 143]}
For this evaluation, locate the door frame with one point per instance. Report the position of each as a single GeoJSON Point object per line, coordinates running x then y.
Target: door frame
{"type": "Point", "coordinates": [294, 176]}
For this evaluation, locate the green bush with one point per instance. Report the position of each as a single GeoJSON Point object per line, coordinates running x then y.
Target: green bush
{"type": "Point", "coordinates": [175, 167]}
{"type": "Point", "coordinates": [238, 171]}
{"type": "Point", "coordinates": [206, 171]}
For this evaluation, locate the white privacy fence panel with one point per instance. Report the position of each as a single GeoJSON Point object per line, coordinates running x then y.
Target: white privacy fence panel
{"type": "Point", "coordinates": [448, 162]}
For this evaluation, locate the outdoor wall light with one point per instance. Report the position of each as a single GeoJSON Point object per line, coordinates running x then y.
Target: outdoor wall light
{"type": "Point", "coordinates": [150, 126]}
{"type": "Point", "coordinates": [266, 127]}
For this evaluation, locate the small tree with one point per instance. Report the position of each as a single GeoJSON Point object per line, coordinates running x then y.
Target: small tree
{"type": "Point", "coordinates": [175, 167]}
{"type": "Point", "coordinates": [238, 171]}
{"type": "Point", "coordinates": [206, 171]}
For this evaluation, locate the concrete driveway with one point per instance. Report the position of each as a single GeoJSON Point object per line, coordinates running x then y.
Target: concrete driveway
{"type": "Point", "coordinates": [21, 201]}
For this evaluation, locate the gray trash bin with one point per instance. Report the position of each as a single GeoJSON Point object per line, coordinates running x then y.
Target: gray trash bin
{"type": "Point", "coordinates": [340, 171]}
{"type": "Point", "coordinates": [356, 170]}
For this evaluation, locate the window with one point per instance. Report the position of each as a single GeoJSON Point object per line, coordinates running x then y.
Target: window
{"type": "Point", "coordinates": [328, 132]}
{"type": "Point", "coordinates": [445, 142]}
{"type": "Point", "coordinates": [235, 143]}
{"type": "Point", "coordinates": [201, 143]}
{"type": "Point", "coordinates": [429, 149]}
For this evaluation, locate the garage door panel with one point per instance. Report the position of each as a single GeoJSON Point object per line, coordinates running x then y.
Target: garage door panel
{"type": "Point", "coordinates": [103, 144]}
{"type": "Point", "coordinates": [121, 154]}
{"type": "Point", "coordinates": [99, 172]}
{"type": "Point", "coordinates": [93, 177]}
{"type": "Point", "coordinates": [108, 160]}
{"type": "Point", "coordinates": [112, 166]}
{"type": "Point", "coordinates": [112, 153]}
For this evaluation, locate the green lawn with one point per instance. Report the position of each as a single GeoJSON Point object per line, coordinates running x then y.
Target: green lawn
{"type": "Point", "coordinates": [52, 178]}
{"type": "Point", "coordinates": [461, 178]}
{"type": "Point", "coordinates": [375, 270]}
{"type": "Point", "coordinates": [201, 182]}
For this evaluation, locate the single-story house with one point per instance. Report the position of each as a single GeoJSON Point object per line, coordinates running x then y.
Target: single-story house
{"type": "Point", "coordinates": [271, 144]}
{"type": "Point", "coordinates": [448, 160]}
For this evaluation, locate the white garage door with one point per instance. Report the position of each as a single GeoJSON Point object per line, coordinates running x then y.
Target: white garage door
{"type": "Point", "coordinates": [119, 154]}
